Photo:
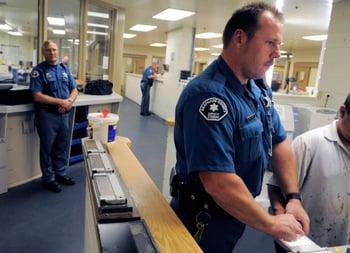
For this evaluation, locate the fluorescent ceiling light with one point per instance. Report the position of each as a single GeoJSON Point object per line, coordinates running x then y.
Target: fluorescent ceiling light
{"type": "Point", "coordinates": [215, 54]}
{"type": "Point", "coordinates": [218, 46]}
{"type": "Point", "coordinates": [98, 14]}
{"type": "Point", "coordinates": [201, 49]}
{"type": "Point", "coordinates": [208, 35]}
{"type": "Point", "coordinates": [316, 37]}
{"type": "Point", "coordinates": [65, 47]}
{"type": "Point", "coordinates": [128, 35]}
{"type": "Point", "coordinates": [97, 33]}
{"type": "Point", "coordinates": [98, 25]}
{"type": "Point", "coordinates": [143, 28]}
{"type": "Point", "coordinates": [59, 31]}
{"type": "Point", "coordinates": [283, 52]}
{"type": "Point", "coordinates": [158, 45]}
{"type": "Point", "coordinates": [5, 27]}
{"type": "Point", "coordinates": [15, 33]}
{"type": "Point", "coordinates": [56, 21]}
{"type": "Point", "coordinates": [173, 14]}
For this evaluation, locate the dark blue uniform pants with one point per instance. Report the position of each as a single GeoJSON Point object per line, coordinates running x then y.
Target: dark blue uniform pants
{"type": "Point", "coordinates": [145, 88]}
{"type": "Point", "coordinates": [53, 130]}
{"type": "Point", "coordinates": [220, 235]}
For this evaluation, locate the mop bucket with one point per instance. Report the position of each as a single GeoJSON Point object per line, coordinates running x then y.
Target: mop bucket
{"type": "Point", "coordinates": [102, 128]}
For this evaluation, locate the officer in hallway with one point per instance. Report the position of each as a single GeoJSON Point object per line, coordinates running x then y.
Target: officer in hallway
{"type": "Point", "coordinates": [149, 75]}
{"type": "Point", "coordinates": [226, 133]}
{"type": "Point", "coordinates": [54, 92]}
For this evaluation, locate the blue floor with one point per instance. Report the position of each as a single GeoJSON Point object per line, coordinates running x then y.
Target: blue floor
{"type": "Point", "coordinates": [35, 220]}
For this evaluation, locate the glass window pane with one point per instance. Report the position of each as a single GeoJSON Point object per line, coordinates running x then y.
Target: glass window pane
{"type": "Point", "coordinates": [63, 29]}
{"type": "Point", "coordinates": [99, 29]}
{"type": "Point", "coordinates": [18, 40]}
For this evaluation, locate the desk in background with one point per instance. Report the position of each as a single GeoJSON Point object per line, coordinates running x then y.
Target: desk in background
{"type": "Point", "coordinates": [19, 142]}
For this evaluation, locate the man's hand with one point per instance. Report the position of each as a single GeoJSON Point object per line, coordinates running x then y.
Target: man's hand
{"type": "Point", "coordinates": [295, 208]}
{"type": "Point", "coordinates": [285, 227]}
{"type": "Point", "coordinates": [65, 105]}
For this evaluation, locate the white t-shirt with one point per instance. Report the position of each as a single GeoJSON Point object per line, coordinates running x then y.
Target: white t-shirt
{"type": "Point", "coordinates": [324, 180]}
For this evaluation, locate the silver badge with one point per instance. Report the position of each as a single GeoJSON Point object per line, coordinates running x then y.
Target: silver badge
{"type": "Point", "coordinates": [48, 75]}
{"type": "Point", "coordinates": [34, 74]}
{"type": "Point", "coordinates": [213, 109]}
{"type": "Point", "coordinates": [65, 75]}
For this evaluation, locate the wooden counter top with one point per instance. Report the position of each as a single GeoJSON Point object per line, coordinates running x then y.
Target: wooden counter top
{"type": "Point", "coordinates": [167, 230]}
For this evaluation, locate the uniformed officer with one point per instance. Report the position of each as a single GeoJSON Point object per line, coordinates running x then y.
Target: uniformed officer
{"type": "Point", "coordinates": [149, 75]}
{"type": "Point", "coordinates": [226, 132]}
{"type": "Point", "coordinates": [54, 92]}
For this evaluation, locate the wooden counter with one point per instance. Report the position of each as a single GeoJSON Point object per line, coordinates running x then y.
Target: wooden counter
{"type": "Point", "coordinates": [167, 230]}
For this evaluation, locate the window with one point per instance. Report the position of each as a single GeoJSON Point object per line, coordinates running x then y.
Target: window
{"type": "Point", "coordinates": [99, 27]}
{"type": "Point", "coordinates": [18, 40]}
{"type": "Point", "coordinates": [63, 28]}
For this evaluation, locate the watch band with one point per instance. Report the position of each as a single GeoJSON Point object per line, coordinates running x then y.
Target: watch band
{"type": "Point", "coordinates": [293, 195]}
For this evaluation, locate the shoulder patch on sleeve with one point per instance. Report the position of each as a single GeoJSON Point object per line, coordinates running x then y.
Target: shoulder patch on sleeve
{"type": "Point", "coordinates": [34, 74]}
{"type": "Point", "coordinates": [213, 109]}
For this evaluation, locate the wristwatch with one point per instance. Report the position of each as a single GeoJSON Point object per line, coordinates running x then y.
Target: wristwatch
{"type": "Point", "coordinates": [293, 195]}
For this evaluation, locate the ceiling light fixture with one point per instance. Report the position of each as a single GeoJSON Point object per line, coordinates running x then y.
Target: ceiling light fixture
{"type": "Point", "coordinates": [98, 14]}
{"type": "Point", "coordinates": [56, 21]}
{"type": "Point", "coordinates": [143, 28]}
{"type": "Point", "coordinates": [316, 37]}
{"type": "Point", "coordinates": [215, 54]}
{"type": "Point", "coordinates": [173, 14]}
{"type": "Point", "coordinates": [98, 25]}
{"type": "Point", "coordinates": [201, 49]}
{"type": "Point", "coordinates": [97, 33]}
{"type": "Point", "coordinates": [129, 35]}
{"type": "Point", "coordinates": [59, 31]}
{"type": "Point", "coordinates": [218, 46]}
{"type": "Point", "coordinates": [4, 26]}
{"type": "Point", "coordinates": [15, 33]}
{"type": "Point", "coordinates": [158, 45]}
{"type": "Point", "coordinates": [208, 35]}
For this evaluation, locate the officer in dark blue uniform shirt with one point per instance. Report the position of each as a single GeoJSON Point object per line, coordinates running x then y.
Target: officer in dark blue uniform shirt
{"type": "Point", "coordinates": [149, 74]}
{"type": "Point", "coordinates": [226, 133]}
{"type": "Point", "coordinates": [54, 92]}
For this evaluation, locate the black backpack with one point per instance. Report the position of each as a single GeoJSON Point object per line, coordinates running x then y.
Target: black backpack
{"type": "Point", "coordinates": [99, 87]}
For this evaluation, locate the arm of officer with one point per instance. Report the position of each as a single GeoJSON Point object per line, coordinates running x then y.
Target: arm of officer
{"type": "Point", "coordinates": [229, 191]}
{"type": "Point", "coordinates": [46, 99]}
{"type": "Point", "coordinates": [284, 167]}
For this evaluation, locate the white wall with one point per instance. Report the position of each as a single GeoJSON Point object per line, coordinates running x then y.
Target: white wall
{"type": "Point", "coordinates": [335, 70]}
{"type": "Point", "coordinates": [25, 44]}
{"type": "Point", "coordinates": [149, 52]}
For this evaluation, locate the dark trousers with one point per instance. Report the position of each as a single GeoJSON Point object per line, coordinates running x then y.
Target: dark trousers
{"type": "Point", "coordinates": [53, 130]}
{"type": "Point", "coordinates": [219, 236]}
{"type": "Point", "coordinates": [145, 89]}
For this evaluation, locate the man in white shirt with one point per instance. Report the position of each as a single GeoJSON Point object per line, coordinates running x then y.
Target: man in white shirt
{"type": "Point", "coordinates": [323, 158]}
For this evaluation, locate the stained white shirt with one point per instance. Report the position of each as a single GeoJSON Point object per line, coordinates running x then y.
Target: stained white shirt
{"type": "Point", "coordinates": [324, 181]}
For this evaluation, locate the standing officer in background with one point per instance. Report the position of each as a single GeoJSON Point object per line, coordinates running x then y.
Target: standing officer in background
{"type": "Point", "coordinates": [226, 132]}
{"type": "Point", "coordinates": [54, 92]}
{"type": "Point", "coordinates": [149, 74]}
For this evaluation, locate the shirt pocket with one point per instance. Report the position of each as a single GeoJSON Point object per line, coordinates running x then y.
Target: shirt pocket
{"type": "Point", "coordinates": [251, 136]}
{"type": "Point", "coordinates": [52, 85]}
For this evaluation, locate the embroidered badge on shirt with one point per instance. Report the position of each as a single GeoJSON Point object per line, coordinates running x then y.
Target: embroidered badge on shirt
{"type": "Point", "coordinates": [213, 109]}
{"type": "Point", "coordinates": [65, 76]}
{"type": "Point", "coordinates": [35, 74]}
{"type": "Point", "coordinates": [48, 75]}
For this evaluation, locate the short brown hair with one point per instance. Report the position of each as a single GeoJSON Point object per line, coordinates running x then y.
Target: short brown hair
{"type": "Point", "coordinates": [247, 19]}
{"type": "Point", "coordinates": [45, 44]}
